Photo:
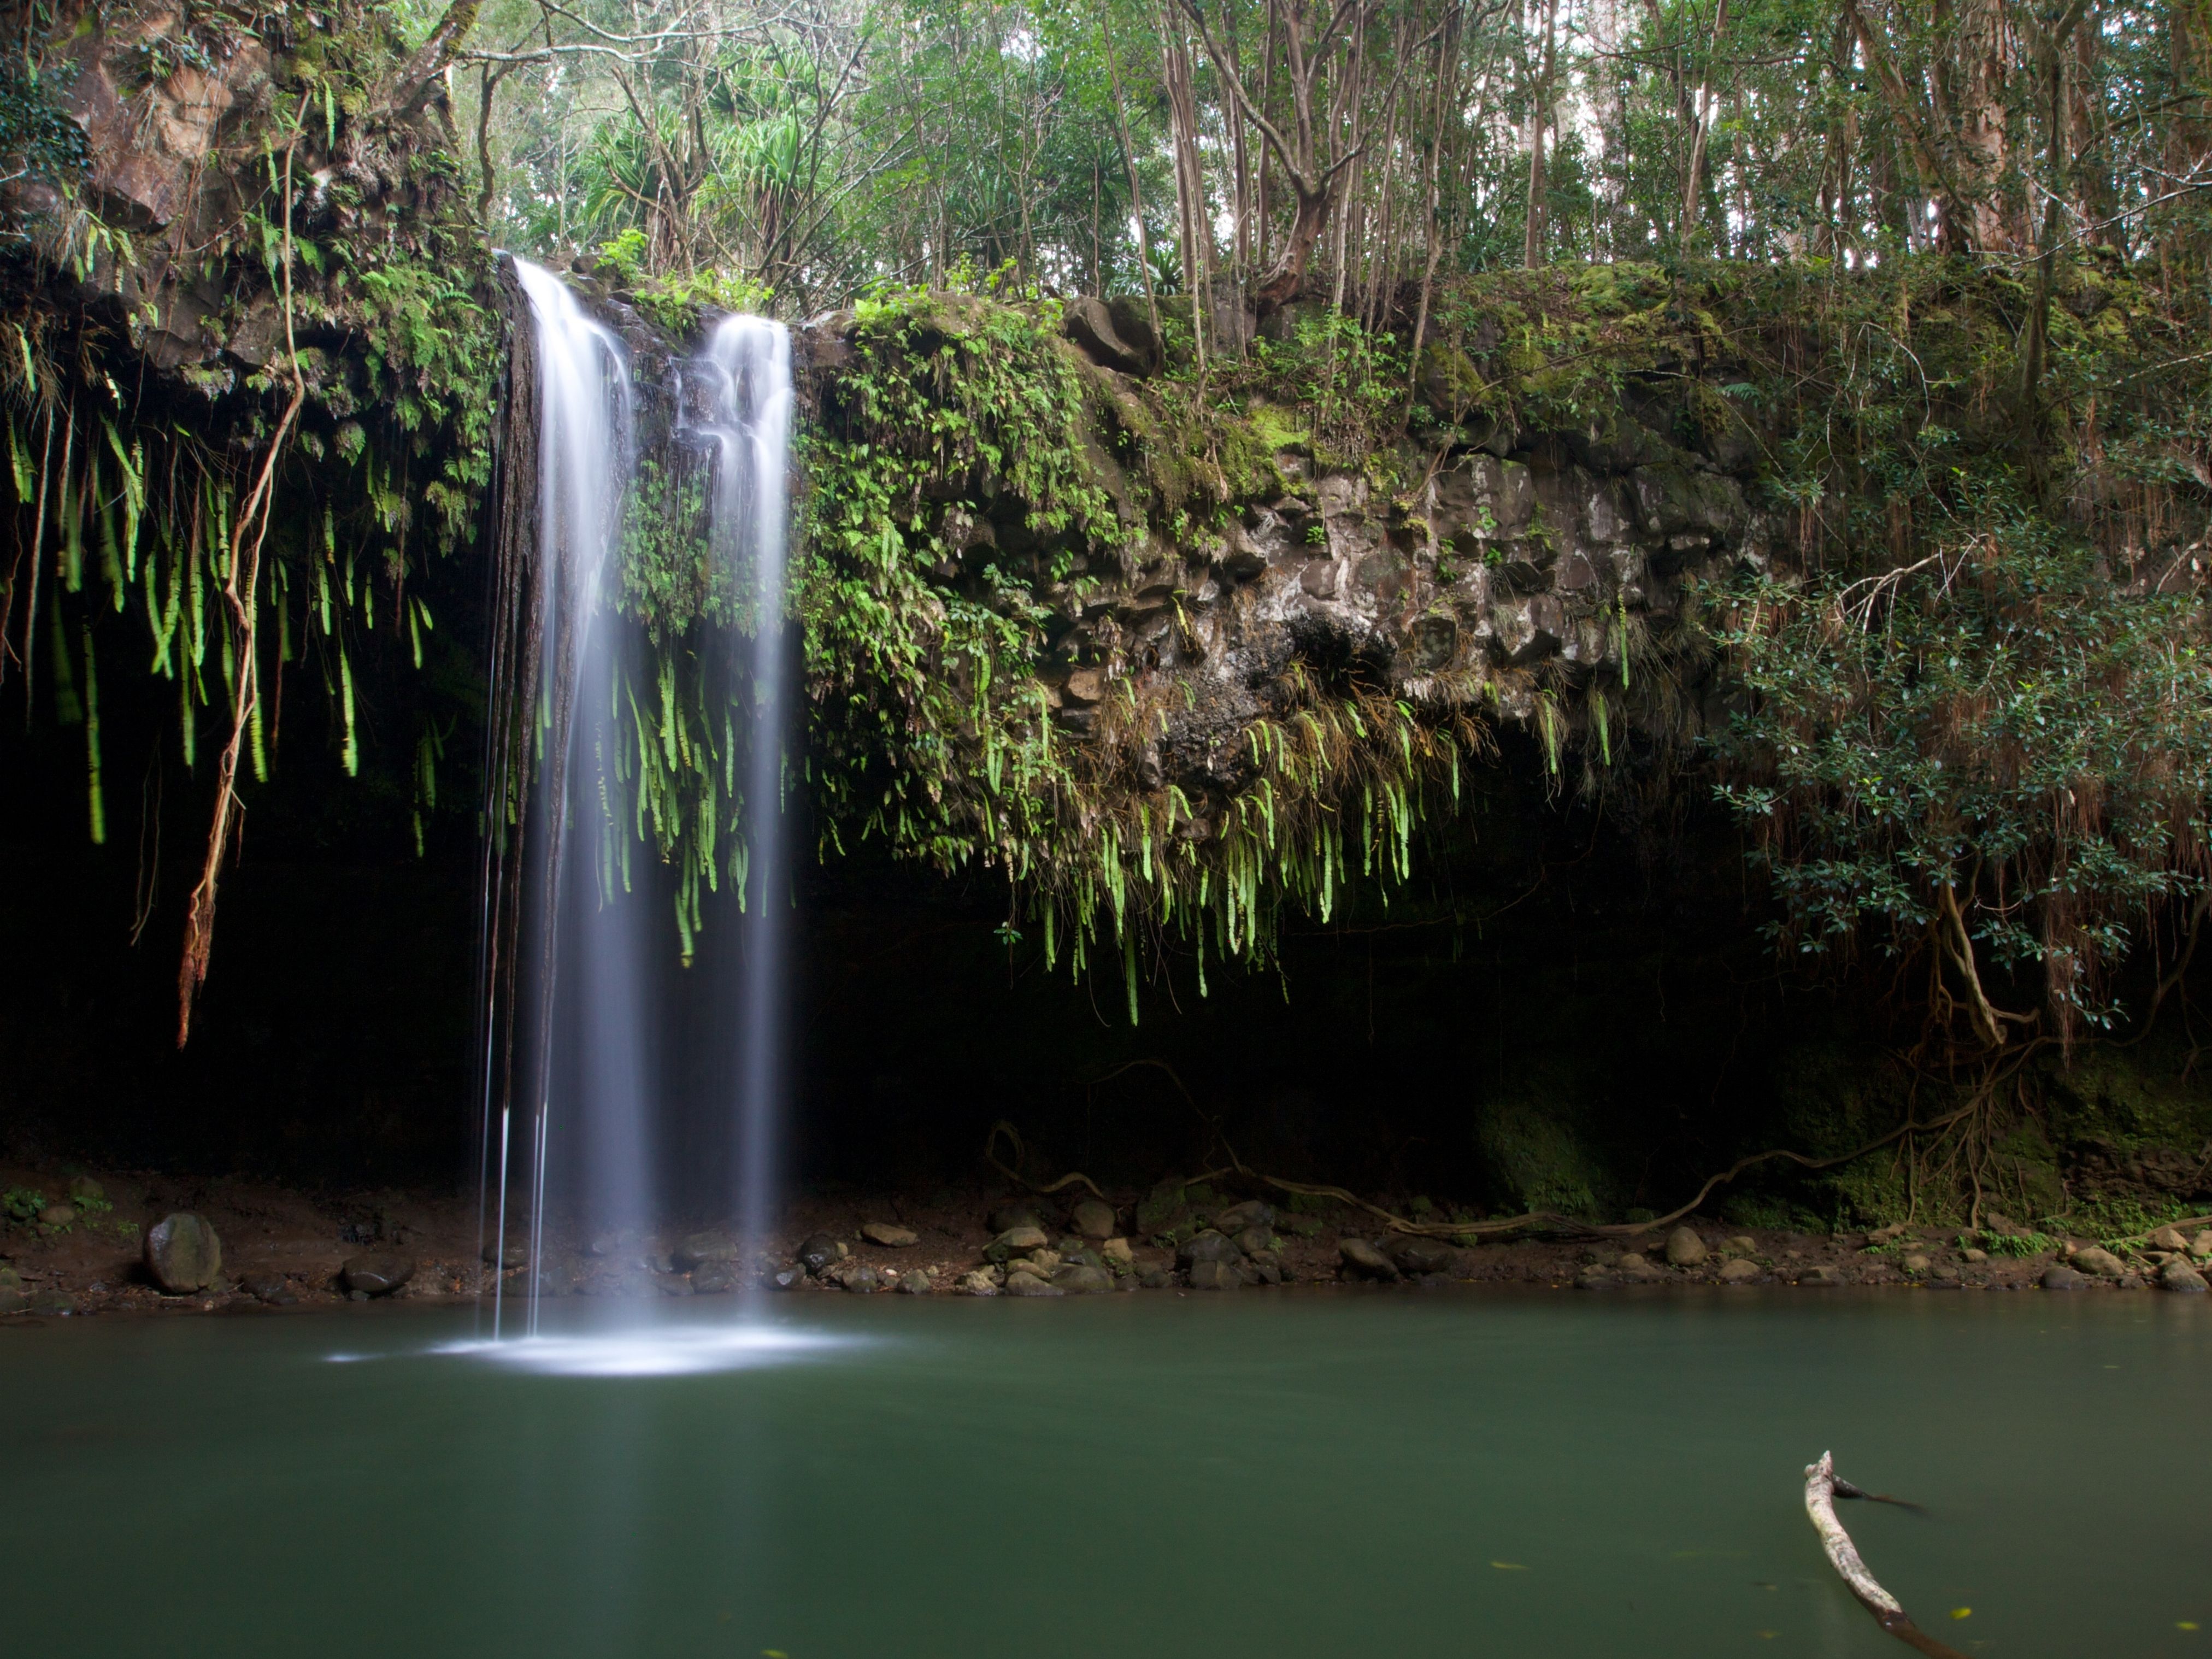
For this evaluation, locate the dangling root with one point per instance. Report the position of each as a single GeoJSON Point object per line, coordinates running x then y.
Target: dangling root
{"type": "Point", "coordinates": [1822, 1488]}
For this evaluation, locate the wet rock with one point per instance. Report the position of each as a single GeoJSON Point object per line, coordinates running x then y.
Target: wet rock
{"type": "Point", "coordinates": [1738, 1271]}
{"type": "Point", "coordinates": [1093, 1221]}
{"type": "Point", "coordinates": [1363, 1261]}
{"type": "Point", "coordinates": [1024, 1283]}
{"type": "Point", "coordinates": [857, 1277]}
{"type": "Point", "coordinates": [890, 1236]}
{"type": "Point", "coordinates": [1084, 1258]}
{"type": "Point", "coordinates": [715, 1279]}
{"type": "Point", "coordinates": [1252, 1213]}
{"type": "Point", "coordinates": [1009, 1217]}
{"type": "Point", "coordinates": [1042, 1263]}
{"type": "Point", "coordinates": [1116, 1253]}
{"type": "Point", "coordinates": [2179, 1275]}
{"type": "Point", "coordinates": [914, 1281]}
{"type": "Point", "coordinates": [1414, 1257]}
{"type": "Point", "coordinates": [787, 1279]}
{"type": "Point", "coordinates": [1077, 1279]}
{"type": "Point", "coordinates": [182, 1253]}
{"type": "Point", "coordinates": [695, 1249]}
{"type": "Point", "coordinates": [376, 1275]}
{"type": "Point", "coordinates": [1209, 1246]}
{"type": "Point", "coordinates": [271, 1288]}
{"type": "Point", "coordinates": [1685, 1248]}
{"type": "Point", "coordinates": [1211, 1275]}
{"type": "Point", "coordinates": [819, 1252]}
{"type": "Point", "coordinates": [2060, 1277]}
{"type": "Point", "coordinates": [978, 1283]}
{"type": "Point", "coordinates": [2100, 1261]}
{"type": "Point", "coordinates": [1821, 1274]}
{"type": "Point", "coordinates": [1013, 1242]}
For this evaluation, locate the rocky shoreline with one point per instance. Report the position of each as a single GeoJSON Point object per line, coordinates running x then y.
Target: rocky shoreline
{"type": "Point", "coordinates": [118, 1242]}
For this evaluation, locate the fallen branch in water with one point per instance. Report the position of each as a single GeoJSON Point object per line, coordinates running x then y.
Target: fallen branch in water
{"type": "Point", "coordinates": [1822, 1488]}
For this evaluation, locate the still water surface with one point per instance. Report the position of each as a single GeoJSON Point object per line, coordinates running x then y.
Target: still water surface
{"type": "Point", "coordinates": [1291, 1476]}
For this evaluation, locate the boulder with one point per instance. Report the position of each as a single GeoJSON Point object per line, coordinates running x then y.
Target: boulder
{"type": "Point", "coordinates": [890, 1236]}
{"type": "Point", "coordinates": [786, 1279]}
{"type": "Point", "coordinates": [1738, 1271]}
{"type": "Point", "coordinates": [1685, 1248]}
{"type": "Point", "coordinates": [1363, 1261]}
{"type": "Point", "coordinates": [1116, 1253]}
{"type": "Point", "coordinates": [272, 1288]}
{"type": "Point", "coordinates": [1253, 1240]}
{"type": "Point", "coordinates": [1209, 1246]}
{"type": "Point", "coordinates": [1821, 1274]}
{"type": "Point", "coordinates": [818, 1252]}
{"type": "Point", "coordinates": [715, 1279]}
{"type": "Point", "coordinates": [914, 1281]}
{"type": "Point", "coordinates": [1252, 1213]}
{"type": "Point", "coordinates": [376, 1275]}
{"type": "Point", "coordinates": [1024, 1283]}
{"type": "Point", "coordinates": [2100, 1261]}
{"type": "Point", "coordinates": [2169, 1238]}
{"type": "Point", "coordinates": [1594, 1278]}
{"type": "Point", "coordinates": [1973, 1258]}
{"type": "Point", "coordinates": [697, 1249]}
{"type": "Point", "coordinates": [1013, 1242]}
{"type": "Point", "coordinates": [1156, 1279]}
{"type": "Point", "coordinates": [57, 1216]}
{"type": "Point", "coordinates": [182, 1253]}
{"type": "Point", "coordinates": [1157, 1210]}
{"type": "Point", "coordinates": [978, 1283]}
{"type": "Point", "coordinates": [1415, 1257]}
{"type": "Point", "coordinates": [1743, 1244]}
{"type": "Point", "coordinates": [2201, 1246]}
{"type": "Point", "coordinates": [1916, 1263]}
{"type": "Point", "coordinates": [1077, 1279]}
{"type": "Point", "coordinates": [857, 1277]}
{"type": "Point", "coordinates": [2179, 1275]}
{"type": "Point", "coordinates": [1211, 1275]}
{"type": "Point", "coordinates": [2060, 1277]}
{"type": "Point", "coordinates": [1093, 1219]}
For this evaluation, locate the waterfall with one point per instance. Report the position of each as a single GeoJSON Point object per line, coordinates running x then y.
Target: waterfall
{"type": "Point", "coordinates": [747, 379]}
{"type": "Point", "coordinates": [578, 973]}
{"type": "Point", "coordinates": [583, 1038]}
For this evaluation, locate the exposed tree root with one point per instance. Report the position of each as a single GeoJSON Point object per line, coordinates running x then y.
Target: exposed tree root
{"type": "Point", "coordinates": [1821, 1490]}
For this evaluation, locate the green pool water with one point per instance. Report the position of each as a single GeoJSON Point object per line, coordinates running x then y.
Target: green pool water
{"type": "Point", "coordinates": [1292, 1474]}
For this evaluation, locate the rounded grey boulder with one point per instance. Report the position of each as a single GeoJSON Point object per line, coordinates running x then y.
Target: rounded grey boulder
{"type": "Point", "coordinates": [182, 1253]}
{"type": "Point", "coordinates": [377, 1275]}
{"type": "Point", "coordinates": [1685, 1248]}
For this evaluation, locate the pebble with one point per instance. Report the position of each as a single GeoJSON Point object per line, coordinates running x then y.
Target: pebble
{"type": "Point", "coordinates": [1363, 1261]}
{"type": "Point", "coordinates": [182, 1253]}
{"type": "Point", "coordinates": [1685, 1248]}
{"type": "Point", "coordinates": [1208, 1275]}
{"type": "Point", "coordinates": [2060, 1277]}
{"type": "Point", "coordinates": [1093, 1219]}
{"type": "Point", "coordinates": [890, 1236]}
{"type": "Point", "coordinates": [1739, 1271]}
{"type": "Point", "coordinates": [1077, 1279]}
{"type": "Point", "coordinates": [2100, 1261]}
{"type": "Point", "coordinates": [1024, 1283]}
{"type": "Point", "coordinates": [2179, 1275]}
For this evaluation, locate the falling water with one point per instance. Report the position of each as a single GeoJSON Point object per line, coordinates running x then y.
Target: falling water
{"type": "Point", "coordinates": [747, 379]}
{"type": "Point", "coordinates": [584, 1048]}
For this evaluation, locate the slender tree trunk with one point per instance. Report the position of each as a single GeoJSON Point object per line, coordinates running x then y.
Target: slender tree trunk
{"type": "Point", "coordinates": [1539, 117]}
{"type": "Point", "coordinates": [1136, 190]}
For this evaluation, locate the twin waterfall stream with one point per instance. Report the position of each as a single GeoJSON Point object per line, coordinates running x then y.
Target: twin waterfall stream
{"type": "Point", "coordinates": [596, 1051]}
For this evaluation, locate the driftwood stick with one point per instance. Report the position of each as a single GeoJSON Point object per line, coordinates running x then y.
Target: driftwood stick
{"type": "Point", "coordinates": [1821, 1489]}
